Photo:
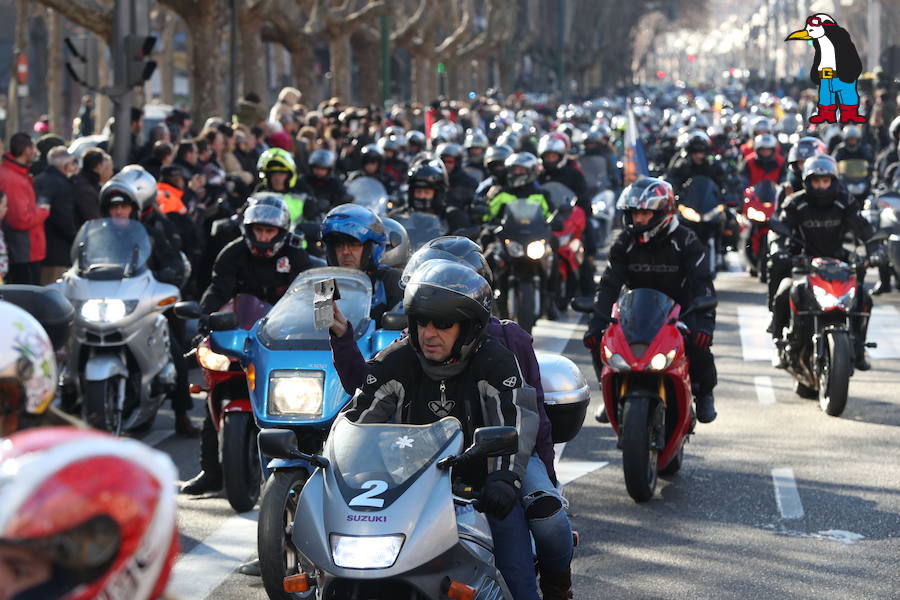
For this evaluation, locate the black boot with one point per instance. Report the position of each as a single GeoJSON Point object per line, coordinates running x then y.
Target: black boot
{"type": "Point", "coordinates": [884, 285]}
{"type": "Point", "coordinates": [706, 408]}
{"type": "Point", "coordinates": [601, 416]}
{"type": "Point", "coordinates": [204, 483]}
{"type": "Point", "coordinates": [250, 568]}
{"type": "Point", "coordinates": [556, 585]}
{"type": "Point", "coordinates": [862, 360]}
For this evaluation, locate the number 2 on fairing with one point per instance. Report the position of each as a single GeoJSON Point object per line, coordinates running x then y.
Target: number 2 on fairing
{"type": "Point", "coordinates": [373, 489]}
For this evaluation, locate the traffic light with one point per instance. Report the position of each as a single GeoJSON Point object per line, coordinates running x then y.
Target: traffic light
{"type": "Point", "coordinates": [82, 65]}
{"type": "Point", "coordinates": [138, 66]}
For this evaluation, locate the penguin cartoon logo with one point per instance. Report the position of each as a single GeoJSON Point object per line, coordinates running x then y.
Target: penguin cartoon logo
{"type": "Point", "coordinates": [836, 67]}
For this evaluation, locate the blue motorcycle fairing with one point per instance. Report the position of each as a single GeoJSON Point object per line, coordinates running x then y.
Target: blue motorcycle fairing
{"type": "Point", "coordinates": [232, 343]}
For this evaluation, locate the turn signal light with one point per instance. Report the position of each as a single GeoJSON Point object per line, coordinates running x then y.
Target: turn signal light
{"type": "Point", "coordinates": [251, 376]}
{"type": "Point", "coordinates": [168, 301]}
{"type": "Point", "coordinates": [194, 388]}
{"type": "Point", "coordinates": [460, 591]}
{"type": "Point", "coordinates": [296, 584]}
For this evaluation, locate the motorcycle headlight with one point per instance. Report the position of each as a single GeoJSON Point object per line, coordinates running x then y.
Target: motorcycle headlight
{"type": "Point", "coordinates": [536, 250]}
{"type": "Point", "coordinates": [296, 393]}
{"type": "Point", "coordinates": [689, 213]}
{"type": "Point", "coordinates": [754, 214]}
{"type": "Point", "coordinates": [369, 552]}
{"type": "Point", "coordinates": [714, 213]}
{"type": "Point", "coordinates": [212, 361]}
{"type": "Point", "coordinates": [598, 207]}
{"type": "Point", "coordinates": [515, 249]}
{"type": "Point", "coordinates": [825, 299]}
{"type": "Point", "coordinates": [106, 310]}
{"type": "Point", "coordinates": [618, 362]}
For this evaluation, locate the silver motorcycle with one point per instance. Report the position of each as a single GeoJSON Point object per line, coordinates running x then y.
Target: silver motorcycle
{"type": "Point", "coordinates": [119, 354]}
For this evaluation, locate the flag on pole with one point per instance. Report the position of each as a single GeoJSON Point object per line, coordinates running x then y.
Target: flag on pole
{"type": "Point", "coordinates": [635, 163]}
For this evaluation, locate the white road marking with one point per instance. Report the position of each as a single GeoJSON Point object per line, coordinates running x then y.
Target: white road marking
{"type": "Point", "coordinates": [568, 471]}
{"type": "Point", "coordinates": [884, 329]}
{"type": "Point", "coordinates": [786, 495]}
{"type": "Point", "coordinates": [553, 336]}
{"type": "Point", "coordinates": [756, 343]}
{"type": "Point", "coordinates": [209, 563]}
{"type": "Point", "coordinates": [157, 437]}
{"type": "Point", "coordinates": [765, 392]}
{"type": "Point", "coordinates": [840, 535]}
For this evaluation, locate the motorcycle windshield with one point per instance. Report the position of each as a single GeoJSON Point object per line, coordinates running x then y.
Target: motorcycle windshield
{"type": "Point", "coordinates": [248, 308]}
{"type": "Point", "coordinates": [765, 191]}
{"type": "Point", "coordinates": [642, 313]}
{"type": "Point", "coordinates": [368, 192]}
{"type": "Point", "coordinates": [700, 194]}
{"type": "Point", "coordinates": [561, 197]}
{"type": "Point", "coordinates": [375, 463]}
{"type": "Point", "coordinates": [290, 325]}
{"type": "Point", "coordinates": [421, 227]}
{"type": "Point", "coordinates": [595, 171]}
{"type": "Point", "coordinates": [523, 219]}
{"type": "Point", "coordinates": [111, 249]}
{"type": "Point", "coordinates": [855, 168]}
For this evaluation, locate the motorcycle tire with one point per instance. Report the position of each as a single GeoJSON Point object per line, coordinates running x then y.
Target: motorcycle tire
{"type": "Point", "coordinates": [834, 378]}
{"type": "Point", "coordinates": [240, 461]}
{"type": "Point", "coordinates": [526, 306]}
{"type": "Point", "coordinates": [639, 456]}
{"type": "Point", "coordinates": [99, 401]}
{"type": "Point", "coordinates": [277, 556]}
{"type": "Point", "coordinates": [674, 465]}
{"type": "Point", "coordinates": [761, 268]}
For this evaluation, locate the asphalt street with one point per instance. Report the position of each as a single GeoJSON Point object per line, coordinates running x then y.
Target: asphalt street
{"type": "Point", "coordinates": [775, 499]}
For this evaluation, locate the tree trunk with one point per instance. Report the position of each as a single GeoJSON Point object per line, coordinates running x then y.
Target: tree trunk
{"type": "Point", "coordinates": [421, 71]}
{"type": "Point", "coordinates": [167, 57]}
{"type": "Point", "coordinates": [253, 76]}
{"type": "Point", "coordinates": [54, 75]}
{"type": "Point", "coordinates": [14, 103]}
{"type": "Point", "coordinates": [102, 104]}
{"type": "Point", "coordinates": [340, 61]}
{"type": "Point", "coordinates": [480, 72]}
{"type": "Point", "coordinates": [367, 52]}
{"type": "Point", "coordinates": [303, 74]}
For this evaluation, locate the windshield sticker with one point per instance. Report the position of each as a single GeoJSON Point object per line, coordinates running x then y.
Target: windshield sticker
{"type": "Point", "coordinates": [404, 442]}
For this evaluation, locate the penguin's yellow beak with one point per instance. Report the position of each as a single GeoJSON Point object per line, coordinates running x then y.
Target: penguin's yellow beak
{"type": "Point", "coordinates": [799, 35]}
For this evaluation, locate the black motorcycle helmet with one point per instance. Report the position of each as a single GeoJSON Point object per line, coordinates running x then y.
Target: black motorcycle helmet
{"type": "Point", "coordinates": [818, 166]}
{"type": "Point", "coordinates": [698, 141]}
{"type": "Point", "coordinates": [427, 174]}
{"type": "Point", "coordinates": [454, 248]}
{"type": "Point", "coordinates": [324, 159]}
{"type": "Point", "coordinates": [445, 293]}
{"type": "Point", "coordinates": [371, 153]}
{"type": "Point", "coordinates": [494, 162]}
{"type": "Point", "coordinates": [451, 150]}
{"type": "Point", "coordinates": [266, 209]}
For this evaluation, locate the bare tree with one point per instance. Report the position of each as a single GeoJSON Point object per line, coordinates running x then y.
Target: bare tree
{"type": "Point", "coordinates": [55, 72]}
{"type": "Point", "coordinates": [14, 103]}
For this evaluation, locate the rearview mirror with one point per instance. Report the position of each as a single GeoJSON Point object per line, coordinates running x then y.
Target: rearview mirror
{"type": "Point", "coordinates": [394, 321]}
{"type": "Point", "coordinates": [230, 342]}
{"type": "Point", "coordinates": [187, 310]}
{"type": "Point", "coordinates": [279, 443]}
{"type": "Point", "coordinates": [222, 321]}
{"type": "Point", "coordinates": [779, 227]}
{"type": "Point", "coordinates": [879, 237]}
{"type": "Point", "coordinates": [495, 441]}
{"type": "Point", "coordinates": [583, 304]}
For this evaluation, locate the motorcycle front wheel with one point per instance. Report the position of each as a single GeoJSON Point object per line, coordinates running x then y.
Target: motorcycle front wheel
{"type": "Point", "coordinates": [834, 376]}
{"type": "Point", "coordinates": [241, 471]}
{"type": "Point", "coordinates": [101, 406]}
{"type": "Point", "coordinates": [639, 453]}
{"type": "Point", "coordinates": [527, 305]}
{"type": "Point", "coordinates": [278, 557]}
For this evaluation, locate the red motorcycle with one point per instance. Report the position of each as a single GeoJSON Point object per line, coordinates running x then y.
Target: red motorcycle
{"type": "Point", "coordinates": [643, 373]}
{"type": "Point", "coordinates": [759, 207]}
{"type": "Point", "coordinates": [229, 404]}
{"type": "Point", "coordinates": [568, 227]}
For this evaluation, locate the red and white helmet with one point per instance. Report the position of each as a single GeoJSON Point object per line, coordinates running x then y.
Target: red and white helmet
{"type": "Point", "coordinates": [97, 512]}
{"type": "Point", "coordinates": [647, 193]}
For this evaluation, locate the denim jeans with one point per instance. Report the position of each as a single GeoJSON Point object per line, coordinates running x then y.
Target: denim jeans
{"type": "Point", "coordinates": [834, 87]}
{"type": "Point", "coordinates": [549, 524]}
{"type": "Point", "coordinates": [512, 553]}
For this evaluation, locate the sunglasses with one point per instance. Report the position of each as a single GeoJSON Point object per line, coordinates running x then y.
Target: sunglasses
{"type": "Point", "coordinates": [436, 323]}
{"type": "Point", "coordinates": [817, 22]}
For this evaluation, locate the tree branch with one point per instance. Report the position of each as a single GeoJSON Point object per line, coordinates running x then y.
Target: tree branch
{"type": "Point", "coordinates": [455, 39]}
{"type": "Point", "coordinates": [369, 11]}
{"type": "Point", "coordinates": [93, 15]}
{"type": "Point", "coordinates": [404, 35]}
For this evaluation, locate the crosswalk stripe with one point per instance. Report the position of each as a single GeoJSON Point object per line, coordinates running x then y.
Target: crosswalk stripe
{"type": "Point", "coordinates": [884, 329]}
{"type": "Point", "coordinates": [553, 336]}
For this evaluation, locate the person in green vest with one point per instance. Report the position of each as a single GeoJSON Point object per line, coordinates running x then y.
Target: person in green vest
{"type": "Point", "coordinates": [278, 174]}
{"type": "Point", "coordinates": [521, 183]}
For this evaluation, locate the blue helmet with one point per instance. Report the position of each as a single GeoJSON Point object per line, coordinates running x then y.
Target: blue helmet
{"type": "Point", "coordinates": [358, 223]}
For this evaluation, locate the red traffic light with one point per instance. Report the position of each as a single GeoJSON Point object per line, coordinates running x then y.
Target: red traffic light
{"type": "Point", "coordinates": [691, 58]}
{"type": "Point", "coordinates": [661, 74]}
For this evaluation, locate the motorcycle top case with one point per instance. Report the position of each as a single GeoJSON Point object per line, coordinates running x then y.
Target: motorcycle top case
{"type": "Point", "coordinates": [46, 304]}
{"type": "Point", "coordinates": [566, 395]}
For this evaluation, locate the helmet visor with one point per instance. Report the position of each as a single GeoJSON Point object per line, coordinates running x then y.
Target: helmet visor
{"type": "Point", "coordinates": [266, 214]}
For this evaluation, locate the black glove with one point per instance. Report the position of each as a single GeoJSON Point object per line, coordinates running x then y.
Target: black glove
{"type": "Point", "coordinates": [702, 339]}
{"type": "Point", "coordinates": [591, 339]}
{"type": "Point", "coordinates": [499, 494]}
{"type": "Point", "coordinates": [167, 275]}
{"type": "Point", "coordinates": [878, 258]}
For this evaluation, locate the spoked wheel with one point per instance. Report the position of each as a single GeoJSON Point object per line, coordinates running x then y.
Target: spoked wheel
{"type": "Point", "coordinates": [639, 453]}
{"type": "Point", "coordinates": [240, 461]}
{"type": "Point", "coordinates": [834, 377]}
{"type": "Point", "coordinates": [278, 557]}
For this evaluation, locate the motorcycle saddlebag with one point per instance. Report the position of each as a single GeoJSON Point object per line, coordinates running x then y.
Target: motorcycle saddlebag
{"type": "Point", "coordinates": [46, 304]}
{"type": "Point", "coordinates": [566, 395]}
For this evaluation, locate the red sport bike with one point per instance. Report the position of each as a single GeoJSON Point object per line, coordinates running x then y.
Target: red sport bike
{"type": "Point", "coordinates": [643, 373]}
{"type": "Point", "coordinates": [759, 207]}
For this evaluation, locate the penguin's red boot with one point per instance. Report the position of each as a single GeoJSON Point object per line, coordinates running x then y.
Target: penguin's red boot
{"type": "Point", "coordinates": [849, 114]}
{"type": "Point", "coordinates": [827, 114]}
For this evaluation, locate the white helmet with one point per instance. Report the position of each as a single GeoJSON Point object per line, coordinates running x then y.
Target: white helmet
{"type": "Point", "coordinates": [134, 185]}
{"type": "Point", "coordinates": [27, 367]}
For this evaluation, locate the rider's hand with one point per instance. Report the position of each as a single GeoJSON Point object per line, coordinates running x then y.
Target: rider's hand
{"type": "Point", "coordinates": [878, 258]}
{"type": "Point", "coordinates": [499, 495]}
{"type": "Point", "coordinates": [339, 327]}
{"type": "Point", "coordinates": [702, 339]}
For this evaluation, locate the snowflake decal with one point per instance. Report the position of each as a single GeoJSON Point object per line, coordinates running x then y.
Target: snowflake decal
{"type": "Point", "coordinates": [404, 442]}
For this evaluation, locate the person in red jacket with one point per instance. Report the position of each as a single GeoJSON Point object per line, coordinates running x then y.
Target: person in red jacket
{"type": "Point", "coordinates": [764, 163]}
{"type": "Point", "coordinates": [24, 224]}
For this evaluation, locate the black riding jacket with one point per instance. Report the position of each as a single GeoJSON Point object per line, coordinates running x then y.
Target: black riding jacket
{"type": "Point", "coordinates": [672, 262]}
{"type": "Point", "coordinates": [683, 168]}
{"type": "Point", "coordinates": [823, 229]}
{"type": "Point", "coordinates": [237, 271]}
